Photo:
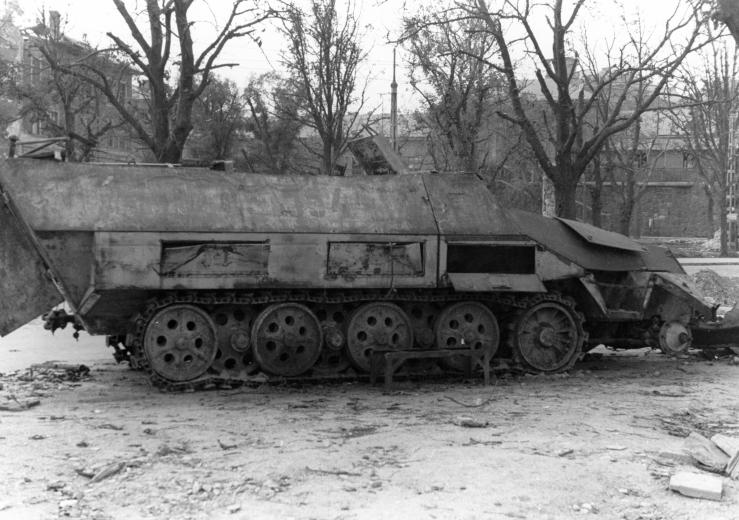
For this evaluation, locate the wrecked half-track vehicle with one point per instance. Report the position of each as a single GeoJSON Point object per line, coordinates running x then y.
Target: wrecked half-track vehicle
{"type": "Point", "coordinates": [199, 276]}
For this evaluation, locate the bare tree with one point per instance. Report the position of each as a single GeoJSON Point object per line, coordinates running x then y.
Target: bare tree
{"type": "Point", "coordinates": [170, 95]}
{"type": "Point", "coordinates": [562, 147]}
{"type": "Point", "coordinates": [461, 93]}
{"type": "Point", "coordinates": [727, 12]}
{"type": "Point", "coordinates": [323, 54]}
{"type": "Point", "coordinates": [632, 158]}
{"type": "Point", "coordinates": [61, 103]}
{"type": "Point", "coordinates": [272, 116]}
{"type": "Point", "coordinates": [707, 104]}
{"type": "Point", "coordinates": [628, 158]}
{"type": "Point", "coordinates": [219, 118]}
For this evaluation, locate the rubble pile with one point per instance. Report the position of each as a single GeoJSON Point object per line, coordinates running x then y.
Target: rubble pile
{"type": "Point", "coordinates": [719, 289]}
{"type": "Point", "coordinates": [719, 456]}
{"type": "Point", "coordinates": [20, 390]}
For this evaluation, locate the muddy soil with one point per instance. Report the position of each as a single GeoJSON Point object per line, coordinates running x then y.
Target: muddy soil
{"type": "Point", "coordinates": [601, 441]}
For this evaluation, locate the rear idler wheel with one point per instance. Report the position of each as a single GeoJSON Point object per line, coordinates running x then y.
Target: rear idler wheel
{"type": "Point", "coordinates": [287, 339]}
{"type": "Point", "coordinates": [548, 336]}
{"type": "Point", "coordinates": [180, 342]}
{"type": "Point", "coordinates": [377, 326]}
{"type": "Point", "coordinates": [466, 325]}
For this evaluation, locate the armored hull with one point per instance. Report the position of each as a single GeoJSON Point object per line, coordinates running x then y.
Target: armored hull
{"type": "Point", "coordinates": [199, 275]}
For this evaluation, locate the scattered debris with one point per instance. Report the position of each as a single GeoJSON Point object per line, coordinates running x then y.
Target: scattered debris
{"type": "Point", "coordinates": [478, 402]}
{"type": "Point", "coordinates": [469, 422]}
{"type": "Point", "coordinates": [716, 287]}
{"type": "Point", "coordinates": [19, 406]}
{"type": "Point", "coordinates": [166, 449]}
{"type": "Point", "coordinates": [56, 486]}
{"type": "Point", "coordinates": [564, 453]}
{"type": "Point", "coordinates": [729, 445]}
{"type": "Point", "coordinates": [227, 447]}
{"type": "Point", "coordinates": [108, 471]}
{"type": "Point", "coordinates": [475, 442]}
{"type": "Point", "coordinates": [732, 468]}
{"type": "Point", "coordinates": [339, 472]}
{"type": "Point", "coordinates": [358, 431]}
{"type": "Point", "coordinates": [58, 371]}
{"type": "Point", "coordinates": [108, 426]}
{"type": "Point", "coordinates": [67, 504]}
{"type": "Point", "coordinates": [705, 453]}
{"type": "Point", "coordinates": [85, 472]}
{"type": "Point", "coordinates": [585, 508]}
{"type": "Point", "coordinates": [697, 485]}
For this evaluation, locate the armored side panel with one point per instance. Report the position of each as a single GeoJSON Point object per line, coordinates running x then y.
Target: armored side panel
{"type": "Point", "coordinates": [81, 197]}
{"type": "Point", "coordinates": [26, 290]}
{"type": "Point", "coordinates": [481, 248]}
{"type": "Point", "coordinates": [116, 235]}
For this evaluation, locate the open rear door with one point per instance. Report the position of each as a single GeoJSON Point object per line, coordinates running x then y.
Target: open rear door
{"type": "Point", "coordinates": [26, 290]}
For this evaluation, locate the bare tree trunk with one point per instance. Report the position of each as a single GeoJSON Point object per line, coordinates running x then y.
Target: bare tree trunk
{"type": "Point", "coordinates": [69, 125]}
{"type": "Point", "coordinates": [627, 209]}
{"type": "Point", "coordinates": [710, 216]}
{"type": "Point", "coordinates": [722, 221]}
{"type": "Point", "coordinates": [565, 195]}
{"type": "Point", "coordinates": [596, 194]}
{"type": "Point", "coordinates": [549, 197]}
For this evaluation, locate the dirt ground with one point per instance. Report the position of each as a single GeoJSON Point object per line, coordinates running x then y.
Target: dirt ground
{"type": "Point", "coordinates": [601, 441]}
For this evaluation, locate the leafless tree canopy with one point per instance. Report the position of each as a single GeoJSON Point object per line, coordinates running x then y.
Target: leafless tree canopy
{"type": "Point", "coordinates": [555, 129]}
{"type": "Point", "coordinates": [273, 118]}
{"type": "Point", "coordinates": [57, 103]}
{"type": "Point", "coordinates": [705, 105]}
{"type": "Point", "coordinates": [460, 91]}
{"type": "Point", "coordinates": [169, 94]}
{"type": "Point", "coordinates": [727, 12]}
{"type": "Point", "coordinates": [219, 119]}
{"type": "Point", "coordinates": [324, 52]}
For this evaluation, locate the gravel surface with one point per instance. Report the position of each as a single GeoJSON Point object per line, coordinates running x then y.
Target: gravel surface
{"type": "Point", "coordinates": [602, 440]}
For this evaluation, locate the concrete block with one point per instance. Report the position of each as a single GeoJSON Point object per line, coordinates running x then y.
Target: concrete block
{"type": "Point", "coordinates": [729, 445]}
{"type": "Point", "coordinates": [706, 452]}
{"type": "Point", "coordinates": [697, 485]}
{"type": "Point", "coordinates": [732, 468]}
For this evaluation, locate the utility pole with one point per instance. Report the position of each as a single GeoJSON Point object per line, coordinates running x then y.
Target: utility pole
{"type": "Point", "coordinates": [394, 108]}
{"type": "Point", "coordinates": [731, 200]}
{"type": "Point", "coordinates": [731, 216]}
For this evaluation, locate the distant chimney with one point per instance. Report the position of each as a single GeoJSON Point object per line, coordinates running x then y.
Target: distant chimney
{"type": "Point", "coordinates": [55, 24]}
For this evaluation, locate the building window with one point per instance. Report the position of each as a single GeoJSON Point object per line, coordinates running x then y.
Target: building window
{"type": "Point", "coordinates": [688, 160]}
{"type": "Point", "coordinates": [35, 70]}
{"type": "Point", "coordinates": [640, 158]}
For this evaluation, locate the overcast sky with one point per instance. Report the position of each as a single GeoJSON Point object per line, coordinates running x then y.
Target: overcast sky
{"type": "Point", "coordinates": [93, 18]}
